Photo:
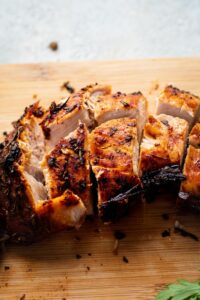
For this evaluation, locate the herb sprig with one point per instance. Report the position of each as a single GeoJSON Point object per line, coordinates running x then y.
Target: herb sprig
{"type": "Point", "coordinates": [182, 290]}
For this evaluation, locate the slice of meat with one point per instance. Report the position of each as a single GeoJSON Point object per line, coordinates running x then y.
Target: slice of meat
{"type": "Point", "coordinates": [120, 105]}
{"type": "Point", "coordinates": [22, 186]}
{"type": "Point", "coordinates": [114, 159]}
{"type": "Point", "coordinates": [189, 194]}
{"type": "Point", "coordinates": [63, 118]}
{"type": "Point", "coordinates": [177, 103]}
{"type": "Point", "coordinates": [194, 137]}
{"type": "Point", "coordinates": [162, 151]}
{"type": "Point", "coordinates": [67, 167]}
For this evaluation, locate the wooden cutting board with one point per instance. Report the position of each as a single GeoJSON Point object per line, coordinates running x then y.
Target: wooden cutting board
{"type": "Point", "coordinates": [50, 269]}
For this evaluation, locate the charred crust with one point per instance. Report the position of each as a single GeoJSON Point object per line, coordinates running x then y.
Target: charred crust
{"type": "Point", "coordinates": [82, 185]}
{"type": "Point", "coordinates": [137, 93]}
{"type": "Point", "coordinates": [32, 110]}
{"type": "Point", "coordinates": [174, 91]}
{"type": "Point", "coordinates": [163, 176]}
{"type": "Point", "coordinates": [70, 201]}
{"type": "Point", "coordinates": [119, 205]}
{"type": "Point", "coordinates": [189, 201]}
{"type": "Point", "coordinates": [113, 130]}
{"type": "Point", "coordinates": [165, 122]}
{"type": "Point", "coordinates": [128, 138]}
{"type": "Point", "coordinates": [154, 180]}
{"type": "Point", "coordinates": [124, 103]}
{"type": "Point", "coordinates": [52, 162]}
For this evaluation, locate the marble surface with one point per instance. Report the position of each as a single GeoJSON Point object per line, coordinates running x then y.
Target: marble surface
{"type": "Point", "coordinates": [98, 29]}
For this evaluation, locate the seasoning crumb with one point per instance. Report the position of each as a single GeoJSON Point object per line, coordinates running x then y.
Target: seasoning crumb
{"type": "Point", "coordinates": [78, 256]}
{"type": "Point", "coordinates": [88, 268]}
{"type": "Point", "coordinates": [89, 254]}
{"type": "Point", "coordinates": [179, 228]}
{"type": "Point", "coordinates": [116, 246]}
{"type": "Point", "coordinates": [166, 233]}
{"type": "Point", "coordinates": [53, 46]}
{"type": "Point", "coordinates": [165, 216]}
{"type": "Point", "coordinates": [6, 268]}
{"type": "Point", "coordinates": [22, 297]}
{"type": "Point", "coordinates": [34, 96]}
{"type": "Point", "coordinates": [119, 235]}
{"type": "Point", "coordinates": [125, 259]}
{"type": "Point", "coordinates": [29, 270]}
{"type": "Point", "coordinates": [66, 85]}
{"type": "Point", "coordinates": [5, 133]}
{"type": "Point", "coordinates": [154, 86]}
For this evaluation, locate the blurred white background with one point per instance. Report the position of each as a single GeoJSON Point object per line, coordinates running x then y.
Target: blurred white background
{"type": "Point", "coordinates": [98, 29]}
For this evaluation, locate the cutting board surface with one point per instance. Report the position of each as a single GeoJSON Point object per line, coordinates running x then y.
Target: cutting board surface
{"type": "Point", "coordinates": [50, 269]}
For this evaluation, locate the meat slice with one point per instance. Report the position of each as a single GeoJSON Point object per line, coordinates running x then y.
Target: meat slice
{"type": "Point", "coordinates": [63, 118]}
{"type": "Point", "coordinates": [114, 159]}
{"type": "Point", "coordinates": [162, 151]}
{"type": "Point", "coordinates": [22, 189]}
{"type": "Point", "coordinates": [66, 166]}
{"type": "Point", "coordinates": [177, 103]}
{"type": "Point", "coordinates": [189, 194]}
{"type": "Point", "coordinates": [120, 105]}
{"type": "Point", "coordinates": [194, 137]}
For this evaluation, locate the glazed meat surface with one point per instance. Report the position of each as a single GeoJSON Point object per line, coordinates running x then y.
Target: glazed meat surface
{"type": "Point", "coordinates": [162, 151]}
{"type": "Point", "coordinates": [189, 194]}
{"type": "Point", "coordinates": [22, 188]}
{"type": "Point", "coordinates": [178, 103]}
{"type": "Point", "coordinates": [120, 105]}
{"type": "Point", "coordinates": [64, 117]}
{"type": "Point", "coordinates": [67, 167]}
{"type": "Point", "coordinates": [114, 159]}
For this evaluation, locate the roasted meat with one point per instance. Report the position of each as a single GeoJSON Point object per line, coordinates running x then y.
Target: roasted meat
{"type": "Point", "coordinates": [63, 118]}
{"type": "Point", "coordinates": [162, 151]}
{"type": "Point", "coordinates": [66, 166]}
{"type": "Point", "coordinates": [194, 137]}
{"type": "Point", "coordinates": [189, 194]}
{"type": "Point", "coordinates": [177, 103]}
{"type": "Point", "coordinates": [119, 105]}
{"type": "Point", "coordinates": [114, 159]}
{"type": "Point", "coordinates": [26, 214]}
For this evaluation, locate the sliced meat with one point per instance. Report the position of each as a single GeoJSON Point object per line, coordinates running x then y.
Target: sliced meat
{"type": "Point", "coordinates": [63, 118]}
{"type": "Point", "coordinates": [177, 103]}
{"type": "Point", "coordinates": [64, 211]}
{"type": "Point", "coordinates": [162, 151]}
{"type": "Point", "coordinates": [67, 167]}
{"type": "Point", "coordinates": [114, 159]}
{"type": "Point", "coordinates": [194, 137]}
{"type": "Point", "coordinates": [120, 105]}
{"type": "Point", "coordinates": [189, 194]}
{"type": "Point", "coordinates": [22, 184]}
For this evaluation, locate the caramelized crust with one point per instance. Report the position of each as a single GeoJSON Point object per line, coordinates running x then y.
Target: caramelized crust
{"type": "Point", "coordinates": [190, 188]}
{"type": "Point", "coordinates": [114, 157]}
{"type": "Point", "coordinates": [63, 211]}
{"type": "Point", "coordinates": [192, 172]}
{"type": "Point", "coordinates": [63, 118]}
{"type": "Point", "coordinates": [163, 143]}
{"type": "Point", "coordinates": [194, 137]}
{"type": "Point", "coordinates": [179, 103]}
{"type": "Point", "coordinates": [22, 190]}
{"type": "Point", "coordinates": [120, 105]}
{"type": "Point", "coordinates": [67, 167]}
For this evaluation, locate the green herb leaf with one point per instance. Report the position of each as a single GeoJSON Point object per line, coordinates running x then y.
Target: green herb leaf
{"type": "Point", "coordinates": [182, 290]}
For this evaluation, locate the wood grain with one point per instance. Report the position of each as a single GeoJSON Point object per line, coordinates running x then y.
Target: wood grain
{"type": "Point", "coordinates": [50, 269]}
